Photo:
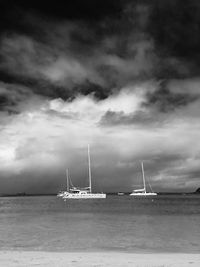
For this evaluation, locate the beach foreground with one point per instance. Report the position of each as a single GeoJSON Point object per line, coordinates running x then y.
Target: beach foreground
{"type": "Point", "coordinates": [95, 259]}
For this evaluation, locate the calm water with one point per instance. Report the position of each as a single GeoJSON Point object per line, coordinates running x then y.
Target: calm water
{"type": "Point", "coordinates": [164, 224]}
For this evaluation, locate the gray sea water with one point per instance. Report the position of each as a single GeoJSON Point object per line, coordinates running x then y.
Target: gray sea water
{"type": "Point", "coordinates": [120, 223]}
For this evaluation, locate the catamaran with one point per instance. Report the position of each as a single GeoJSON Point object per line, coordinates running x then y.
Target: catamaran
{"type": "Point", "coordinates": [142, 192]}
{"type": "Point", "coordinates": [83, 193]}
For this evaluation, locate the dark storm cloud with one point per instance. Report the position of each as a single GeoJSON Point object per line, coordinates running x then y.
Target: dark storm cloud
{"type": "Point", "coordinates": [5, 101]}
{"type": "Point", "coordinates": [14, 11]}
{"type": "Point", "coordinates": [60, 50]}
{"type": "Point", "coordinates": [11, 96]}
{"type": "Point", "coordinates": [166, 100]}
{"type": "Point", "coordinates": [175, 26]}
{"type": "Point", "coordinates": [58, 53]}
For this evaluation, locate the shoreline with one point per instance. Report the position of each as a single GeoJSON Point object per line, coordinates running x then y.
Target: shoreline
{"type": "Point", "coordinates": [97, 259]}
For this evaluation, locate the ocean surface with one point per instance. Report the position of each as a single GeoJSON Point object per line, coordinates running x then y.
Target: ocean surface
{"type": "Point", "coordinates": [166, 223]}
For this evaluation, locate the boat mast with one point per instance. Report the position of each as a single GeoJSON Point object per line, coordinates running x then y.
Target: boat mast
{"type": "Point", "coordinates": [143, 177]}
{"type": "Point", "coordinates": [89, 170]}
{"type": "Point", "coordinates": [67, 173]}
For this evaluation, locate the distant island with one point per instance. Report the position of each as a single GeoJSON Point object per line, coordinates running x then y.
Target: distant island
{"type": "Point", "coordinates": [24, 194]}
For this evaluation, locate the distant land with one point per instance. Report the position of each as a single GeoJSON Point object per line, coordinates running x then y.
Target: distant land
{"type": "Point", "coordinates": [23, 194]}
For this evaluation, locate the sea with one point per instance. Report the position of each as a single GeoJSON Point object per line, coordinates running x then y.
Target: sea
{"type": "Point", "coordinates": [165, 223]}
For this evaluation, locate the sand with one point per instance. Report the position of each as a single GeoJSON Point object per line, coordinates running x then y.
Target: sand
{"type": "Point", "coordinates": [95, 259]}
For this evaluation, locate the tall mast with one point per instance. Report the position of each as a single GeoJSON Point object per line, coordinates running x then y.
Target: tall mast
{"type": "Point", "coordinates": [89, 170]}
{"type": "Point", "coordinates": [67, 174]}
{"type": "Point", "coordinates": [143, 177]}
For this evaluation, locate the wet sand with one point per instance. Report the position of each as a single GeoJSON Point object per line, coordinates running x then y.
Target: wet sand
{"type": "Point", "coordinates": [95, 259]}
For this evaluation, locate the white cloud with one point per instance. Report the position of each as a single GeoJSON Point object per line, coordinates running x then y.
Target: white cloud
{"type": "Point", "coordinates": [35, 141]}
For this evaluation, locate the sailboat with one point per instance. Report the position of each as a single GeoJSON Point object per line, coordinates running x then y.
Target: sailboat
{"type": "Point", "coordinates": [142, 192]}
{"type": "Point", "coordinates": [86, 192]}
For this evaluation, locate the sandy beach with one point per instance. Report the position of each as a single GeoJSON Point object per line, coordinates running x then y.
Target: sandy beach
{"type": "Point", "coordinates": [95, 259]}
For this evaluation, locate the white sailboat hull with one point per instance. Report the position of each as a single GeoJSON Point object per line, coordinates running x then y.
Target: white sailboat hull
{"type": "Point", "coordinates": [134, 194]}
{"type": "Point", "coordinates": [61, 194]}
{"type": "Point", "coordinates": [84, 196]}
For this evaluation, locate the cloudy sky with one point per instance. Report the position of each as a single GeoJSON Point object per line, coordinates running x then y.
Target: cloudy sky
{"type": "Point", "coordinates": [123, 76]}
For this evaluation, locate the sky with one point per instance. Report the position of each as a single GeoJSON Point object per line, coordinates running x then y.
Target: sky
{"type": "Point", "coordinates": [122, 76]}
